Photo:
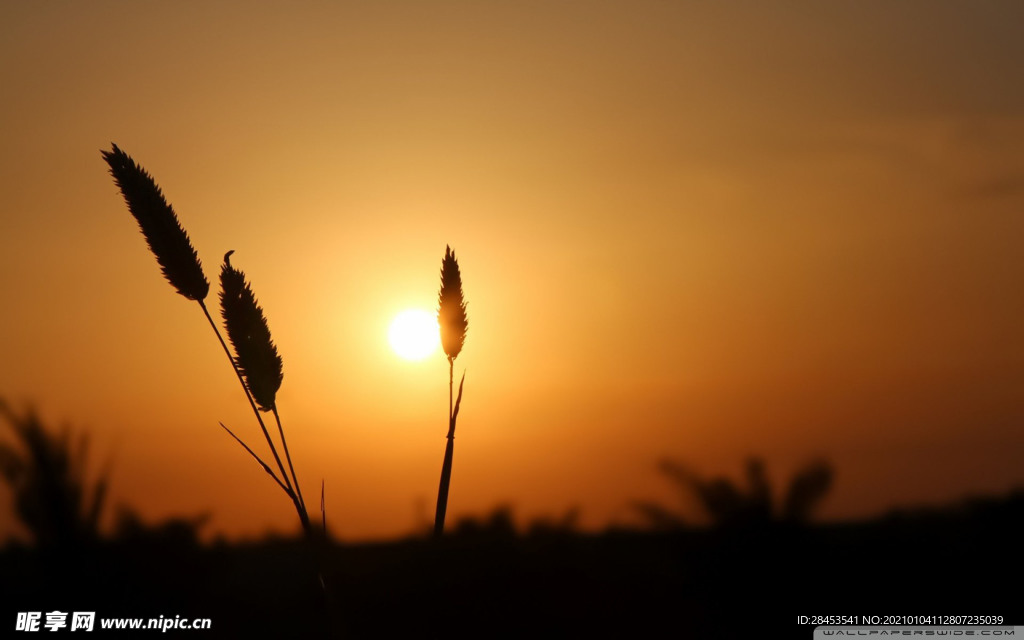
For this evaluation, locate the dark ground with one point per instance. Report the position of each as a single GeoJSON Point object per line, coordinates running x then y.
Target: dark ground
{"type": "Point", "coordinates": [487, 580]}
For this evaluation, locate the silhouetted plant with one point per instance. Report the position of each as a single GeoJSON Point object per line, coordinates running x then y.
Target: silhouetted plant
{"type": "Point", "coordinates": [565, 525]}
{"type": "Point", "coordinates": [727, 504]}
{"type": "Point", "coordinates": [178, 531]}
{"type": "Point", "coordinates": [256, 362]}
{"type": "Point", "coordinates": [46, 472]}
{"type": "Point", "coordinates": [499, 523]}
{"type": "Point", "coordinates": [165, 236]}
{"type": "Point", "coordinates": [806, 491]}
{"type": "Point", "coordinates": [451, 318]}
{"type": "Point", "coordinates": [659, 517]}
{"type": "Point", "coordinates": [256, 358]}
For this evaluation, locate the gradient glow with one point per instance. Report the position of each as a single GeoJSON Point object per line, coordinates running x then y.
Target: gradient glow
{"type": "Point", "coordinates": [414, 334]}
{"type": "Point", "coordinates": [685, 229]}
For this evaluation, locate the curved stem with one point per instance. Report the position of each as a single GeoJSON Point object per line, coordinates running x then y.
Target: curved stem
{"type": "Point", "coordinates": [252, 403]}
{"type": "Point", "coordinates": [288, 457]}
{"type": "Point", "coordinates": [449, 453]}
{"type": "Point", "coordinates": [293, 493]}
{"type": "Point", "coordinates": [257, 458]}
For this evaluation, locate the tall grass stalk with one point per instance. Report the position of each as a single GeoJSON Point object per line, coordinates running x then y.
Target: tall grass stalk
{"type": "Point", "coordinates": [255, 363]}
{"type": "Point", "coordinates": [453, 324]}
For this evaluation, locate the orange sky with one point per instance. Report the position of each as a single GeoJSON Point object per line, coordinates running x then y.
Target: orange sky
{"type": "Point", "coordinates": [685, 230]}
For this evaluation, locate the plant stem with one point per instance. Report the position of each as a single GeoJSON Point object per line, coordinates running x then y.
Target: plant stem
{"type": "Point", "coordinates": [300, 504]}
{"type": "Point", "coordinates": [293, 493]}
{"type": "Point", "coordinates": [288, 457]}
{"type": "Point", "coordinates": [252, 403]}
{"type": "Point", "coordinates": [269, 471]}
{"type": "Point", "coordinates": [449, 452]}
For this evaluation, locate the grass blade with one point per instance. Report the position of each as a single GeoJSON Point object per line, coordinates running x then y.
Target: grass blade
{"type": "Point", "coordinates": [257, 459]}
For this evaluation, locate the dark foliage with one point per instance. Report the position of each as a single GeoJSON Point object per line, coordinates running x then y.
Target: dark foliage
{"type": "Point", "coordinates": [486, 579]}
{"type": "Point", "coordinates": [728, 504]}
{"type": "Point", "coordinates": [46, 473]}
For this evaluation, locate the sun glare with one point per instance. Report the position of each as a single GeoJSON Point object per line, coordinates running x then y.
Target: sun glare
{"type": "Point", "coordinates": [414, 334]}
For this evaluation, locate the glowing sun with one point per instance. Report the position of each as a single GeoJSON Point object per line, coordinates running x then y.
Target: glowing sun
{"type": "Point", "coordinates": [414, 334]}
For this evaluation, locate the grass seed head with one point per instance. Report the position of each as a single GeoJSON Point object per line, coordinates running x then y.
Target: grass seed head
{"type": "Point", "coordinates": [168, 241]}
{"type": "Point", "coordinates": [255, 353]}
{"type": "Point", "coordinates": [451, 313]}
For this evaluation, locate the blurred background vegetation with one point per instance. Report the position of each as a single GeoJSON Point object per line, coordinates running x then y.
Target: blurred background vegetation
{"type": "Point", "coordinates": [728, 555]}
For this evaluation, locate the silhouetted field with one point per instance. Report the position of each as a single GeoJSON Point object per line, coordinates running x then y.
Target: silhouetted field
{"type": "Point", "coordinates": [759, 563]}
{"type": "Point", "coordinates": [488, 580]}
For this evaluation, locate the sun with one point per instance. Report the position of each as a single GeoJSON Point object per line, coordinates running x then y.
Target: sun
{"type": "Point", "coordinates": [414, 334]}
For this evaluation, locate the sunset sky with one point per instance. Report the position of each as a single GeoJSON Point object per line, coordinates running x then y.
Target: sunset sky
{"type": "Point", "coordinates": [691, 230]}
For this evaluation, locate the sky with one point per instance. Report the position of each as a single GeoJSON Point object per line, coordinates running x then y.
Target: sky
{"type": "Point", "coordinates": [696, 231]}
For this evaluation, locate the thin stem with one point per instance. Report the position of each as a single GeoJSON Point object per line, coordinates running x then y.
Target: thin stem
{"type": "Point", "coordinates": [258, 459]}
{"type": "Point", "coordinates": [449, 453]}
{"type": "Point", "coordinates": [288, 457]}
{"type": "Point", "coordinates": [300, 508]}
{"type": "Point", "coordinates": [442, 491]}
{"type": "Point", "coordinates": [300, 504]}
{"type": "Point", "coordinates": [259, 418]}
{"type": "Point", "coordinates": [307, 528]}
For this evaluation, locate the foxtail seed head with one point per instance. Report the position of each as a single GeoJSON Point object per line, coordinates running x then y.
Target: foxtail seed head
{"type": "Point", "coordinates": [168, 241]}
{"type": "Point", "coordinates": [451, 313]}
{"type": "Point", "coordinates": [255, 352]}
